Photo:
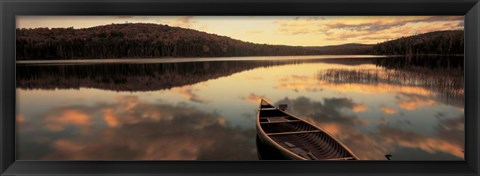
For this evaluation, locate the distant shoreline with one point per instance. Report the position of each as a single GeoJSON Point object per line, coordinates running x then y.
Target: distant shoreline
{"type": "Point", "coordinates": [212, 59]}
{"type": "Point", "coordinates": [160, 41]}
{"type": "Point", "coordinates": [195, 59]}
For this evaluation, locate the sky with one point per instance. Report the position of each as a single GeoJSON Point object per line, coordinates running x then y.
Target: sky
{"type": "Point", "coordinates": [279, 30]}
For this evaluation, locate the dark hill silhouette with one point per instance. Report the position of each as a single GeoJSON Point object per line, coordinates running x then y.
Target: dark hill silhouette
{"type": "Point", "coordinates": [135, 41]}
{"type": "Point", "coordinates": [141, 77]}
{"type": "Point", "coordinates": [438, 42]}
{"type": "Point", "coordinates": [142, 40]}
{"type": "Point", "coordinates": [349, 48]}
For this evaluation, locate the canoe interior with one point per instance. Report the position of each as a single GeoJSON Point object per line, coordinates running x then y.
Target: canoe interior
{"type": "Point", "coordinates": [264, 104]}
{"type": "Point", "coordinates": [300, 137]}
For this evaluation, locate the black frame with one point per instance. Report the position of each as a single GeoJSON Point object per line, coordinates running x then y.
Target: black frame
{"type": "Point", "coordinates": [10, 8]}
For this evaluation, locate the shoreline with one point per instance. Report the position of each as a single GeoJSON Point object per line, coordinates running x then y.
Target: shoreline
{"type": "Point", "coordinates": [211, 59]}
{"type": "Point", "coordinates": [195, 59]}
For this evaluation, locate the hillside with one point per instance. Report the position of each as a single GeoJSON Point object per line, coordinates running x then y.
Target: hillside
{"type": "Point", "coordinates": [141, 40]}
{"type": "Point", "coordinates": [438, 42]}
{"type": "Point", "coordinates": [135, 41]}
{"type": "Point", "coordinates": [349, 48]}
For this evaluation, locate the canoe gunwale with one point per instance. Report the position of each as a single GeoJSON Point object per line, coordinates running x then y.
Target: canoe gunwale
{"type": "Point", "coordinates": [266, 136]}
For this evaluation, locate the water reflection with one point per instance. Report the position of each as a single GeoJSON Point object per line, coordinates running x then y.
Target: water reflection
{"type": "Point", "coordinates": [135, 77]}
{"type": "Point", "coordinates": [131, 129]}
{"type": "Point", "coordinates": [423, 73]}
{"type": "Point", "coordinates": [206, 110]}
{"type": "Point", "coordinates": [385, 137]}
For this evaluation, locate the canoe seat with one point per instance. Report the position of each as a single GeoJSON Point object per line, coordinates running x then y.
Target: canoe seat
{"type": "Point", "coordinates": [293, 132]}
{"type": "Point", "coordinates": [277, 119]}
{"type": "Point", "coordinates": [303, 153]}
{"type": "Point", "coordinates": [299, 137]}
{"type": "Point", "coordinates": [289, 144]}
{"type": "Point", "coordinates": [300, 152]}
{"type": "Point", "coordinates": [288, 121]}
{"type": "Point", "coordinates": [263, 120]}
{"type": "Point", "coordinates": [310, 154]}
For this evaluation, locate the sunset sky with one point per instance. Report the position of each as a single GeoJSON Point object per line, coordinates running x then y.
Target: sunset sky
{"type": "Point", "coordinates": [284, 30]}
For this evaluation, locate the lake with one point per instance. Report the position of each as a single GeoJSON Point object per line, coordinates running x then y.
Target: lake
{"type": "Point", "coordinates": [411, 108]}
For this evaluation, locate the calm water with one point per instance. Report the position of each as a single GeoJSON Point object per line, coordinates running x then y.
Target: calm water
{"type": "Point", "coordinates": [410, 108]}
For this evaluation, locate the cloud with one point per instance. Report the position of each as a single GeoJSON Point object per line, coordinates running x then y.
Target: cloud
{"type": "Point", "coordinates": [388, 110]}
{"type": "Point", "coordinates": [109, 118]}
{"type": "Point", "coordinates": [127, 102]}
{"type": "Point", "coordinates": [369, 29]}
{"type": "Point", "coordinates": [359, 108]}
{"type": "Point", "coordinates": [412, 101]}
{"type": "Point", "coordinates": [375, 25]}
{"type": "Point", "coordinates": [149, 131]}
{"type": "Point", "coordinates": [328, 111]}
{"type": "Point", "coordinates": [189, 93]}
{"type": "Point", "coordinates": [183, 21]}
{"type": "Point", "coordinates": [254, 98]}
{"type": "Point", "coordinates": [19, 118]}
{"type": "Point", "coordinates": [329, 117]}
{"type": "Point", "coordinates": [310, 18]}
{"type": "Point", "coordinates": [58, 121]}
{"type": "Point", "coordinates": [382, 139]}
{"type": "Point", "coordinates": [255, 31]}
{"type": "Point", "coordinates": [124, 17]}
{"type": "Point", "coordinates": [431, 144]}
{"type": "Point", "coordinates": [129, 129]}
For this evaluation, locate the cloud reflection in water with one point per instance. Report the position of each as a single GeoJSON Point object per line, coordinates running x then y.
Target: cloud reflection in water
{"type": "Point", "coordinates": [384, 138]}
{"type": "Point", "coordinates": [129, 129]}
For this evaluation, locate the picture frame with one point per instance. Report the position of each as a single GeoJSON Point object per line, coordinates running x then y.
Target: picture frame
{"type": "Point", "coordinates": [11, 8]}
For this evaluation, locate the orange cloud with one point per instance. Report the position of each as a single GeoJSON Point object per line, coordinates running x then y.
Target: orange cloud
{"type": "Point", "coordinates": [431, 144]}
{"type": "Point", "coordinates": [68, 146]}
{"type": "Point", "coordinates": [385, 139]}
{"type": "Point", "coordinates": [253, 98]}
{"type": "Point", "coordinates": [109, 118]}
{"type": "Point", "coordinates": [189, 93]}
{"type": "Point", "coordinates": [147, 132]}
{"type": "Point", "coordinates": [222, 121]}
{"type": "Point", "coordinates": [359, 108]}
{"type": "Point", "coordinates": [369, 29]}
{"type": "Point", "coordinates": [388, 110]}
{"type": "Point", "coordinates": [127, 102]}
{"type": "Point", "coordinates": [19, 119]}
{"type": "Point", "coordinates": [412, 102]}
{"type": "Point", "coordinates": [67, 117]}
{"type": "Point", "coordinates": [368, 147]}
{"type": "Point", "coordinates": [183, 21]}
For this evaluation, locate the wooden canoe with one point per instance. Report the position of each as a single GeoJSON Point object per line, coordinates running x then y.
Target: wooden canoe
{"type": "Point", "coordinates": [296, 139]}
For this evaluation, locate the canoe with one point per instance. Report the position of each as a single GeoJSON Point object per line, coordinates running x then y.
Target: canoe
{"type": "Point", "coordinates": [297, 139]}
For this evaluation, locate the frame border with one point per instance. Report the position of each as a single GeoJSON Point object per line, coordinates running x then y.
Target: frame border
{"type": "Point", "coordinates": [11, 8]}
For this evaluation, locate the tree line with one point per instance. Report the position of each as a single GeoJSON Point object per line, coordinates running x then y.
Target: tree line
{"type": "Point", "coordinates": [142, 40]}
{"type": "Point", "coordinates": [137, 40]}
{"type": "Point", "coordinates": [438, 42]}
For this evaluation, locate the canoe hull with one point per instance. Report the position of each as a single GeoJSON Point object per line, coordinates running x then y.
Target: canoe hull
{"type": "Point", "coordinates": [281, 135]}
{"type": "Point", "coordinates": [268, 151]}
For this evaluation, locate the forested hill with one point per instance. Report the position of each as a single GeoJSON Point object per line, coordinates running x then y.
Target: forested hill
{"type": "Point", "coordinates": [141, 40]}
{"type": "Point", "coordinates": [349, 48]}
{"type": "Point", "coordinates": [439, 42]}
{"type": "Point", "coordinates": [135, 41]}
